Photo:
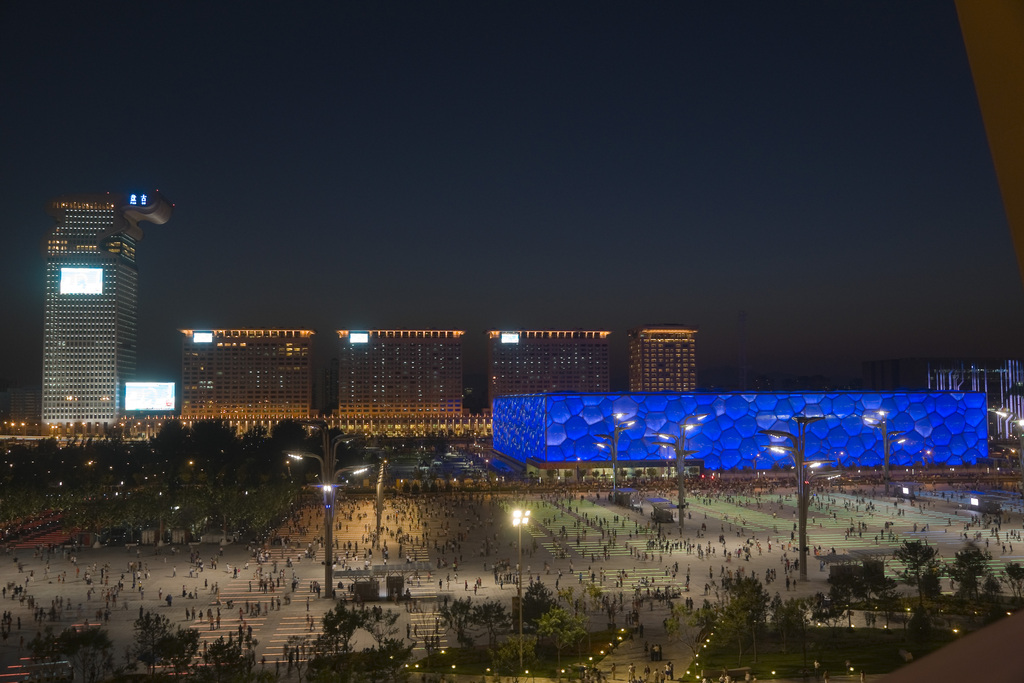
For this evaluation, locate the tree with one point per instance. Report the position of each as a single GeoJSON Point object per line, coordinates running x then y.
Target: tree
{"type": "Point", "coordinates": [171, 444]}
{"type": "Point", "coordinates": [228, 660]}
{"type": "Point", "coordinates": [495, 619]}
{"type": "Point", "coordinates": [920, 625]}
{"type": "Point", "coordinates": [290, 436]}
{"type": "Point", "coordinates": [563, 628]}
{"type": "Point", "coordinates": [790, 619]}
{"type": "Point", "coordinates": [921, 567]}
{"type": "Point", "coordinates": [537, 599]}
{"type": "Point", "coordinates": [967, 569]}
{"type": "Point", "coordinates": [990, 589]}
{"type": "Point", "coordinates": [191, 510]}
{"type": "Point", "coordinates": [89, 651]}
{"type": "Point", "coordinates": [692, 627]}
{"type": "Point", "coordinates": [151, 632]}
{"type": "Point", "coordinates": [826, 610]}
{"type": "Point", "coordinates": [612, 608]}
{"type": "Point", "coordinates": [1013, 577]}
{"type": "Point", "coordinates": [295, 654]}
{"type": "Point", "coordinates": [381, 625]}
{"type": "Point", "coordinates": [458, 616]}
{"type": "Point", "coordinates": [215, 443]}
{"type": "Point", "coordinates": [180, 648]}
{"type": "Point", "coordinates": [334, 659]}
{"type": "Point", "coordinates": [745, 611]}
{"type": "Point", "coordinates": [505, 660]}
{"type": "Point", "coordinates": [339, 625]}
{"type": "Point", "coordinates": [595, 594]}
{"type": "Point", "coordinates": [842, 587]}
{"type": "Point", "coordinates": [386, 663]}
{"type": "Point", "coordinates": [889, 600]}
{"type": "Point", "coordinates": [877, 589]}
{"type": "Point", "coordinates": [568, 595]}
{"type": "Point", "coordinates": [44, 646]}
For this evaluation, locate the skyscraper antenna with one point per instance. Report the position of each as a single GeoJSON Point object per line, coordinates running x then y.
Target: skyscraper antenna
{"type": "Point", "coordinates": [741, 360]}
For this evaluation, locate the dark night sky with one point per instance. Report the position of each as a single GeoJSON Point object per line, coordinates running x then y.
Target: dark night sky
{"type": "Point", "coordinates": [822, 166]}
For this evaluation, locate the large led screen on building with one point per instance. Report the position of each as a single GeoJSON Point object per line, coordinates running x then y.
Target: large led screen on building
{"type": "Point", "coordinates": [561, 430]}
{"type": "Point", "coordinates": [81, 280]}
{"type": "Point", "coordinates": [149, 396]}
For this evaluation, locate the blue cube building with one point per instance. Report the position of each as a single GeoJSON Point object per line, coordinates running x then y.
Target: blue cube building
{"type": "Point", "coordinates": [560, 431]}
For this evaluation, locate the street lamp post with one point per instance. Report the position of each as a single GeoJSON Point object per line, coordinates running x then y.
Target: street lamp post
{"type": "Point", "coordinates": [798, 443]}
{"type": "Point", "coordinates": [380, 497]}
{"type": "Point", "coordinates": [1006, 414]}
{"type": "Point", "coordinates": [520, 518]}
{"type": "Point", "coordinates": [328, 476]}
{"type": "Point", "coordinates": [678, 444]}
{"type": "Point", "coordinates": [880, 421]}
{"type": "Point", "coordinates": [611, 442]}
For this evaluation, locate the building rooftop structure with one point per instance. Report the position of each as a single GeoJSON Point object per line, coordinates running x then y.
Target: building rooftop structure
{"type": "Point", "coordinates": [91, 305]}
{"type": "Point", "coordinates": [534, 361]}
{"type": "Point", "coordinates": [247, 375]}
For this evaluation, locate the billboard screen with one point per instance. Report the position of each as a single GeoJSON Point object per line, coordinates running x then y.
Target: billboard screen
{"type": "Point", "coordinates": [202, 337]}
{"type": "Point", "coordinates": [359, 338]}
{"type": "Point", "coordinates": [509, 337]}
{"type": "Point", "coordinates": [81, 280]}
{"type": "Point", "coordinates": [149, 396]}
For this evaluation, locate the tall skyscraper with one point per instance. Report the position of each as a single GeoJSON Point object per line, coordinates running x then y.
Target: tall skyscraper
{"type": "Point", "coordinates": [540, 361]}
{"type": "Point", "coordinates": [90, 327]}
{"type": "Point", "coordinates": [400, 373]}
{"type": "Point", "coordinates": [246, 376]}
{"type": "Point", "coordinates": [663, 358]}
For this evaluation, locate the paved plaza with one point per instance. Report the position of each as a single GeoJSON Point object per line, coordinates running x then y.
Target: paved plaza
{"type": "Point", "coordinates": [575, 537]}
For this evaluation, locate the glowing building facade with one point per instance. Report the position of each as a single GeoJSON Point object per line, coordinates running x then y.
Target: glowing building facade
{"type": "Point", "coordinates": [414, 374]}
{"type": "Point", "coordinates": [536, 361]}
{"type": "Point", "coordinates": [91, 302]}
{"type": "Point", "coordinates": [559, 431]}
{"type": "Point", "coordinates": [246, 376]}
{"type": "Point", "coordinates": [997, 378]}
{"type": "Point", "coordinates": [663, 358]}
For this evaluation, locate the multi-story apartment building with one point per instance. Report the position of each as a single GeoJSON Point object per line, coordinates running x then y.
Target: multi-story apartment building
{"type": "Point", "coordinates": [246, 376]}
{"type": "Point", "coordinates": [91, 295]}
{"type": "Point", "coordinates": [413, 374]}
{"type": "Point", "coordinates": [663, 358]}
{"type": "Point", "coordinates": [542, 361]}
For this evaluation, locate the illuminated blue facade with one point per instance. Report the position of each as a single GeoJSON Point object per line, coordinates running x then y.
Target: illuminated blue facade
{"type": "Point", "coordinates": [558, 430]}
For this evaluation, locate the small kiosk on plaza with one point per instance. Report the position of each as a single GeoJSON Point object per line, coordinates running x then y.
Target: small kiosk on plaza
{"type": "Point", "coordinates": [364, 584]}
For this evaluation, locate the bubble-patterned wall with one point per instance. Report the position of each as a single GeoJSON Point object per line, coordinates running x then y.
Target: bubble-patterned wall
{"type": "Point", "coordinates": [560, 430]}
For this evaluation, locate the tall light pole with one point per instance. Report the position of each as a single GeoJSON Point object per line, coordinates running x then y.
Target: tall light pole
{"type": "Point", "coordinates": [611, 442]}
{"type": "Point", "coordinates": [1006, 414]}
{"type": "Point", "coordinates": [329, 472]}
{"type": "Point", "coordinates": [798, 442]}
{"type": "Point", "coordinates": [879, 420]}
{"type": "Point", "coordinates": [520, 518]}
{"type": "Point", "coordinates": [380, 497]}
{"type": "Point", "coordinates": [678, 444]}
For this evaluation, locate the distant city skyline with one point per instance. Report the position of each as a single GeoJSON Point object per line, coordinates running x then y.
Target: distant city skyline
{"type": "Point", "coordinates": [822, 168]}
